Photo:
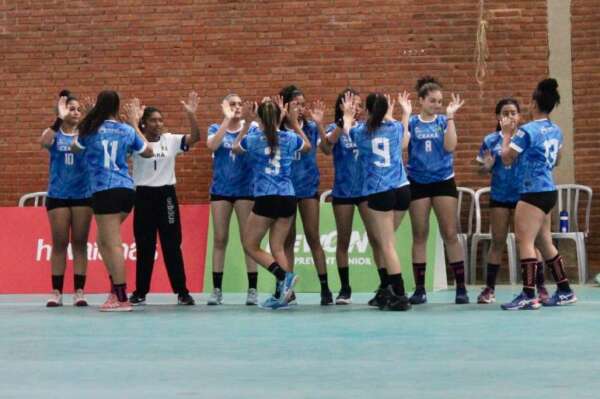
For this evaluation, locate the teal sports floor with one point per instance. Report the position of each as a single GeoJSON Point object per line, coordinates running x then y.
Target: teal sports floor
{"type": "Point", "coordinates": [437, 350]}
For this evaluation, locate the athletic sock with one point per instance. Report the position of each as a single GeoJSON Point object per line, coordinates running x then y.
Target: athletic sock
{"type": "Point", "coordinates": [79, 281]}
{"type": "Point", "coordinates": [528, 266]}
{"type": "Point", "coordinates": [277, 271]}
{"type": "Point", "coordinates": [58, 282]}
{"type": "Point", "coordinates": [383, 278]}
{"type": "Point", "coordinates": [492, 273]}
{"type": "Point", "coordinates": [344, 278]}
{"type": "Point", "coordinates": [252, 280]}
{"type": "Point", "coordinates": [539, 274]}
{"type": "Point", "coordinates": [419, 274]}
{"type": "Point", "coordinates": [323, 282]}
{"type": "Point", "coordinates": [557, 268]}
{"type": "Point", "coordinates": [217, 280]}
{"type": "Point", "coordinates": [112, 285]}
{"type": "Point", "coordinates": [397, 284]}
{"type": "Point", "coordinates": [459, 273]}
{"type": "Point", "coordinates": [121, 292]}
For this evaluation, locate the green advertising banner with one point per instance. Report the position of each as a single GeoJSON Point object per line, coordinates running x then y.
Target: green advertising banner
{"type": "Point", "coordinates": [363, 274]}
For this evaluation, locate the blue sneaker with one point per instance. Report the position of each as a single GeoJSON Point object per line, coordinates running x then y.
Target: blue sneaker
{"type": "Point", "coordinates": [290, 280]}
{"type": "Point", "coordinates": [561, 298]}
{"type": "Point", "coordinates": [418, 298]}
{"type": "Point", "coordinates": [522, 302]}
{"type": "Point", "coordinates": [461, 297]}
{"type": "Point", "coordinates": [274, 303]}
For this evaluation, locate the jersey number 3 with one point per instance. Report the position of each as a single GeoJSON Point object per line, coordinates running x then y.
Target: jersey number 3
{"type": "Point", "coordinates": [110, 159]}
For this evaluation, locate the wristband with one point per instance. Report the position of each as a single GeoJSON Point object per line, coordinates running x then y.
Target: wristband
{"type": "Point", "coordinates": [57, 124]}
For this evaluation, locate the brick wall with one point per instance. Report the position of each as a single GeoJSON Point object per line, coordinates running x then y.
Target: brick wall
{"type": "Point", "coordinates": [158, 53]}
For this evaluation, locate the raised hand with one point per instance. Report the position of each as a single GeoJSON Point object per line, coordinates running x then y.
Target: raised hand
{"type": "Point", "coordinates": [192, 104]}
{"type": "Point", "coordinates": [134, 111]}
{"type": "Point", "coordinates": [488, 160]}
{"type": "Point", "coordinates": [62, 108]}
{"type": "Point", "coordinates": [348, 104]}
{"type": "Point", "coordinates": [292, 112]}
{"type": "Point", "coordinates": [508, 125]}
{"type": "Point", "coordinates": [391, 104]}
{"type": "Point", "coordinates": [317, 111]}
{"type": "Point", "coordinates": [454, 105]}
{"type": "Point", "coordinates": [248, 110]}
{"type": "Point", "coordinates": [405, 103]}
{"type": "Point", "coordinates": [227, 111]}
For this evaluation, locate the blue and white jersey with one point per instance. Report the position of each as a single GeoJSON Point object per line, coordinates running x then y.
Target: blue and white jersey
{"type": "Point", "coordinates": [380, 156]}
{"type": "Point", "coordinates": [305, 172]}
{"type": "Point", "coordinates": [106, 152]}
{"type": "Point", "coordinates": [232, 173]}
{"type": "Point", "coordinates": [428, 161]}
{"type": "Point", "coordinates": [68, 171]}
{"type": "Point", "coordinates": [538, 144]}
{"type": "Point", "coordinates": [505, 180]}
{"type": "Point", "coordinates": [348, 176]}
{"type": "Point", "coordinates": [272, 174]}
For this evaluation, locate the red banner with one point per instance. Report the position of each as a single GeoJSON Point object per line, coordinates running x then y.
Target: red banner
{"type": "Point", "coordinates": [26, 247]}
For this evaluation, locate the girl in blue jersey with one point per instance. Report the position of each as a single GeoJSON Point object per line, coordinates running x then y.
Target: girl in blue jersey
{"type": "Point", "coordinates": [385, 185]}
{"type": "Point", "coordinates": [503, 199]}
{"type": "Point", "coordinates": [106, 145]}
{"type": "Point", "coordinates": [68, 202]}
{"type": "Point", "coordinates": [230, 190]}
{"type": "Point", "coordinates": [431, 174]}
{"type": "Point", "coordinates": [306, 177]}
{"type": "Point", "coordinates": [536, 148]}
{"type": "Point", "coordinates": [272, 152]}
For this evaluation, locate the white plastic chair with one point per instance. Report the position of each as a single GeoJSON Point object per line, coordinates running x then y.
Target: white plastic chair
{"type": "Point", "coordinates": [479, 236]}
{"type": "Point", "coordinates": [569, 197]}
{"type": "Point", "coordinates": [39, 199]}
{"type": "Point", "coordinates": [324, 196]}
{"type": "Point", "coordinates": [465, 235]}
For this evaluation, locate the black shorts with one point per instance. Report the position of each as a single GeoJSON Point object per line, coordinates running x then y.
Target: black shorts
{"type": "Point", "coordinates": [445, 188]}
{"type": "Point", "coordinates": [114, 200]}
{"type": "Point", "coordinates": [217, 197]}
{"type": "Point", "coordinates": [544, 200]}
{"type": "Point", "coordinates": [53, 203]}
{"type": "Point", "coordinates": [397, 199]}
{"type": "Point", "coordinates": [347, 201]}
{"type": "Point", "coordinates": [275, 206]}
{"type": "Point", "coordinates": [499, 204]}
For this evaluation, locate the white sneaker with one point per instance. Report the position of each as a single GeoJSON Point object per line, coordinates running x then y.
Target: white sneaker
{"type": "Point", "coordinates": [252, 297]}
{"type": "Point", "coordinates": [79, 299]}
{"type": "Point", "coordinates": [216, 298]}
{"type": "Point", "coordinates": [55, 300]}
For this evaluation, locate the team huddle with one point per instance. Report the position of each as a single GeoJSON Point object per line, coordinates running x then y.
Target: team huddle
{"type": "Point", "coordinates": [265, 169]}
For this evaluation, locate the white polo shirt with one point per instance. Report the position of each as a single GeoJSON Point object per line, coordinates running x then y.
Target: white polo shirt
{"type": "Point", "coordinates": [160, 169]}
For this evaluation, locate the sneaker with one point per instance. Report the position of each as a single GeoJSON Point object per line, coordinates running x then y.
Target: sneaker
{"type": "Point", "coordinates": [379, 299]}
{"type": "Point", "coordinates": [487, 296]}
{"type": "Point", "coordinates": [137, 300]}
{"type": "Point", "coordinates": [216, 298]}
{"type": "Point", "coordinates": [543, 295]}
{"type": "Point", "coordinates": [185, 299]}
{"type": "Point", "coordinates": [561, 298]}
{"type": "Point", "coordinates": [79, 299]}
{"type": "Point", "coordinates": [344, 297]}
{"type": "Point", "coordinates": [290, 280]}
{"type": "Point", "coordinates": [418, 298]}
{"type": "Point", "coordinates": [395, 302]}
{"type": "Point", "coordinates": [292, 301]}
{"type": "Point", "coordinates": [252, 297]}
{"type": "Point", "coordinates": [274, 303]}
{"type": "Point", "coordinates": [326, 298]}
{"type": "Point", "coordinates": [461, 297]}
{"type": "Point", "coordinates": [522, 302]}
{"type": "Point", "coordinates": [55, 300]}
{"type": "Point", "coordinates": [113, 305]}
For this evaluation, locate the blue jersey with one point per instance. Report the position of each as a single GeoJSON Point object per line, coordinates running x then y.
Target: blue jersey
{"type": "Point", "coordinates": [348, 176]}
{"type": "Point", "coordinates": [106, 152]}
{"type": "Point", "coordinates": [272, 174]}
{"type": "Point", "coordinates": [232, 173]}
{"type": "Point", "coordinates": [538, 144]}
{"type": "Point", "coordinates": [305, 172]}
{"type": "Point", "coordinates": [505, 181]}
{"type": "Point", "coordinates": [428, 161]}
{"type": "Point", "coordinates": [68, 171]}
{"type": "Point", "coordinates": [380, 156]}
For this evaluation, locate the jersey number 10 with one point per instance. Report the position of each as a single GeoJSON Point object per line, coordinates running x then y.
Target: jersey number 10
{"type": "Point", "coordinates": [69, 158]}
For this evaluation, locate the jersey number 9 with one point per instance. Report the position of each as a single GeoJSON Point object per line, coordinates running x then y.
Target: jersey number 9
{"type": "Point", "coordinates": [381, 147]}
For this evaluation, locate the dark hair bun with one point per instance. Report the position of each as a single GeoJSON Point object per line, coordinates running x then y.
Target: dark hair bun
{"type": "Point", "coordinates": [65, 93]}
{"type": "Point", "coordinates": [548, 85]}
{"type": "Point", "coordinates": [426, 80]}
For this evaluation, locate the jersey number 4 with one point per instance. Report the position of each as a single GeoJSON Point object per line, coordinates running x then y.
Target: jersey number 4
{"type": "Point", "coordinates": [110, 158]}
{"type": "Point", "coordinates": [381, 147]}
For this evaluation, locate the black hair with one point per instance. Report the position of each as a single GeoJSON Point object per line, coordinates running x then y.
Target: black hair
{"type": "Point", "coordinates": [147, 112]}
{"type": "Point", "coordinates": [427, 84]}
{"type": "Point", "coordinates": [289, 93]}
{"type": "Point", "coordinates": [377, 105]}
{"type": "Point", "coordinates": [339, 114]}
{"type": "Point", "coordinates": [107, 105]}
{"type": "Point", "coordinates": [67, 93]}
{"type": "Point", "coordinates": [501, 104]}
{"type": "Point", "coordinates": [546, 95]}
{"type": "Point", "coordinates": [269, 114]}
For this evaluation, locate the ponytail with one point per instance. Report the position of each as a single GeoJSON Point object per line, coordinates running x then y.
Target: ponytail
{"type": "Point", "coordinates": [269, 114]}
{"type": "Point", "coordinates": [377, 106]}
{"type": "Point", "coordinates": [107, 105]}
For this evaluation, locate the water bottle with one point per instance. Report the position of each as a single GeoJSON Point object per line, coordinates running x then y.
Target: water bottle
{"type": "Point", "coordinates": [564, 221]}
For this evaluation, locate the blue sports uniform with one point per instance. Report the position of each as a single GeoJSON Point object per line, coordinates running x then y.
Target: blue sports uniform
{"type": "Point", "coordinates": [428, 161]}
{"type": "Point", "coordinates": [538, 144]}
{"type": "Point", "coordinates": [505, 180]}
{"type": "Point", "coordinates": [272, 174]}
{"type": "Point", "coordinates": [348, 176]}
{"type": "Point", "coordinates": [232, 173]}
{"type": "Point", "coordinates": [305, 172]}
{"type": "Point", "coordinates": [68, 171]}
{"type": "Point", "coordinates": [106, 152]}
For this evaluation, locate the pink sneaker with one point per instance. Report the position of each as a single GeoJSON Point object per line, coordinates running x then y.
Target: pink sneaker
{"type": "Point", "coordinates": [79, 299]}
{"type": "Point", "coordinates": [543, 295]}
{"type": "Point", "coordinates": [487, 296]}
{"type": "Point", "coordinates": [113, 305]}
{"type": "Point", "coordinates": [55, 300]}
